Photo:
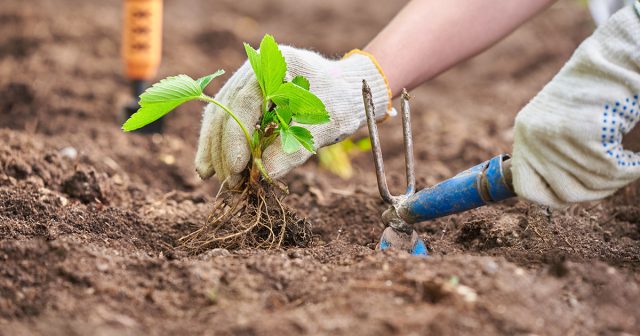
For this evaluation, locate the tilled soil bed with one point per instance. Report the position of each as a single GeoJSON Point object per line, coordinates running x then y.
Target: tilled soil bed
{"type": "Point", "coordinates": [90, 217]}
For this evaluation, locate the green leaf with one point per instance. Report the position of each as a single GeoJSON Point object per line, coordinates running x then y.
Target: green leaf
{"type": "Point", "coordinates": [301, 81]}
{"type": "Point", "coordinates": [289, 142]}
{"type": "Point", "coordinates": [284, 112]}
{"type": "Point", "coordinates": [304, 136]}
{"type": "Point", "coordinates": [294, 137]}
{"type": "Point", "coordinates": [312, 119]}
{"type": "Point", "coordinates": [204, 81]}
{"type": "Point", "coordinates": [161, 98]}
{"type": "Point", "coordinates": [306, 107]}
{"type": "Point", "coordinates": [254, 60]}
{"type": "Point", "coordinates": [272, 63]}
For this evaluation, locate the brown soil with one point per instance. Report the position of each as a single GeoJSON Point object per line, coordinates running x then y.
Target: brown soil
{"type": "Point", "coordinates": [90, 217]}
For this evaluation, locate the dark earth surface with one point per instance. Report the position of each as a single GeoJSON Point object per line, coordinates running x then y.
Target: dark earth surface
{"type": "Point", "coordinates": [90, 217]}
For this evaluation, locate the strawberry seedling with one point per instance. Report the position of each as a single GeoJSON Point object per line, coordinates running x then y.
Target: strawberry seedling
{"type": "Point", "coordinates": [263, 219]}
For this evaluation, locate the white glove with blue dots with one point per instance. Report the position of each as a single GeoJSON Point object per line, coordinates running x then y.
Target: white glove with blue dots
{"type": "Point", "coordinates": [568, 138]}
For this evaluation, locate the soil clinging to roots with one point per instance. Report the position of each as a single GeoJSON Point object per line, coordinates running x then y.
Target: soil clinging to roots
{"type": "Point", "coordinates": [254, 216]}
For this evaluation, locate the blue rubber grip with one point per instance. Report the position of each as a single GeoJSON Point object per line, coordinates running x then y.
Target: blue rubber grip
{"type": "Point", "coordinates": [459, 193]}
{"type": "Point", "coordinates": [498, 187]}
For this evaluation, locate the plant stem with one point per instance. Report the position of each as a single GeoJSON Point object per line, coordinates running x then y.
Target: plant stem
{"type": "Point", "coordinates": [283, 124]}
{"type": "Point", "coordinates": [226, 109]}
{"type": "Point", "coordinates": [263, 170]}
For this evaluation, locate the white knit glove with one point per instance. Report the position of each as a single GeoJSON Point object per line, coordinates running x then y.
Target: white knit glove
{"type": "Point", "coordinates": [601, 10]}
{"type": "Point", "coordinates": [222, 148]}
{"type": "Point", "coordinates": [568, 138]}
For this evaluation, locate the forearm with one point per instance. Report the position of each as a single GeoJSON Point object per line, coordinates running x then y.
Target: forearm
{"type": "Point", "coordinates": [429, 36]}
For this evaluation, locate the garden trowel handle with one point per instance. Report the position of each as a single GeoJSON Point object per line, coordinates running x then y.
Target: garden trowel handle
{"type": "Point", "coordinates": [485, 183]}
{"type": "Point", "coordinates": [141, 51]}
{"type": "Point", "coordinates": [142, 38]}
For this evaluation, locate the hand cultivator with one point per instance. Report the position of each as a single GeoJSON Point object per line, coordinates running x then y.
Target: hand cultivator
{"type": "Point", "coordinates": [485, 183]}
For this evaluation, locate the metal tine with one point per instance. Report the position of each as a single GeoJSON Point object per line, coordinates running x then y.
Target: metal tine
{"type": "Point", "coordinates": [383, 188]}
{"type": "Point", "coordinates": [408, 144]}
{"type": "Point", "coordinates": [375, 143]}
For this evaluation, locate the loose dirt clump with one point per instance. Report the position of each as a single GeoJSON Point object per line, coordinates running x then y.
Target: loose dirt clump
{"type": "Point", "coordinates": [87, 186]}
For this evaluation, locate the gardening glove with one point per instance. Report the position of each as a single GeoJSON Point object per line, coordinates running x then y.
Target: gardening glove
{"type": "Point", "coordinates": [601, 10]}
{"type": "Point", "coordinates": [222, 147]}
{"type": "Point", "coordinates": [568, 138]}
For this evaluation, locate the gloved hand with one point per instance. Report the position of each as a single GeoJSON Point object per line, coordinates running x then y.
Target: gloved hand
{"type": "Point", "coordinates": [222, 147]}
{"type": "Point", "coordinates": [568, 138]}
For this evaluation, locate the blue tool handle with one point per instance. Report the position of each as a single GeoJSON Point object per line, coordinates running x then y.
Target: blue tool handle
{"type": "Point", "coordinates": [485, 183]}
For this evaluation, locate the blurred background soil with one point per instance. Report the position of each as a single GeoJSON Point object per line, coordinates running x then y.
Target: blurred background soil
{"type": "Point", "coordinates": [90, 216]}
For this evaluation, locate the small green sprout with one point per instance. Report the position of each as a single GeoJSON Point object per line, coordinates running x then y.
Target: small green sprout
{"type": "Point", "coordinates": [283, 103]}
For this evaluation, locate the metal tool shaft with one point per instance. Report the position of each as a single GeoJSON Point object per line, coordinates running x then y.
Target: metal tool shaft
{"type": "Point", "coordinates": [408, 144]}
{"type": "Point", "coordinates": [377, 150]}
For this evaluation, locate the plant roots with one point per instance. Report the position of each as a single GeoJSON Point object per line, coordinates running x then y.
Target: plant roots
{"type": "Point", "coordinates": [252, 216]}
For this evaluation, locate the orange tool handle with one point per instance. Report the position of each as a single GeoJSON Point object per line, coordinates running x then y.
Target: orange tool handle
{"type": "Point", "coordinates": [142, 38]}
